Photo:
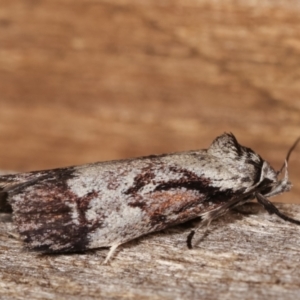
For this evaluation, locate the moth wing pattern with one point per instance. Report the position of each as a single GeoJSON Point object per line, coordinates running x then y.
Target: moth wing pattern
{"type": "Point", "coordinates": [106, 204]}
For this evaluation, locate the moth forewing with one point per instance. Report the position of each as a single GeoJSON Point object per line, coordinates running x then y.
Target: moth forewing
{"type": "Point", "coordinates": [110, 203]}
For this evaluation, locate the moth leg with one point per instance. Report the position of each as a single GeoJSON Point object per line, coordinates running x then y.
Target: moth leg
{"type": "Point", "coordinates": [13, 235]}
{"type": "Point", "coordinates": [272, 209]}
{"type": "Point", "coordinates": [192, 234]}
{"type": "Point", "coordinates": [189, 239]}
{"type": "Point", "coordinates": [111, 252]}
{"type": "Point", "coordinates": [242, 212]}
{"type": "Point", "coordinates": [209, 216]}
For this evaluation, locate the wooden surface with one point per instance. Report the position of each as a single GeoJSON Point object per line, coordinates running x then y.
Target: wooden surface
{"type": "Point", "coordinates": [252, 256]}
{"type": "Point", "coordinates": [84, 81]}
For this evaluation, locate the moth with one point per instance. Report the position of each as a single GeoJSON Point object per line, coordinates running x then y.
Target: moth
{"type": "Point", "coordinates": [107, 204]}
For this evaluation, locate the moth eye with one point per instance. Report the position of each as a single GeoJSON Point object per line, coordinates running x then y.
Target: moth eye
{"type": "Point", "coordinates": [266, 190]}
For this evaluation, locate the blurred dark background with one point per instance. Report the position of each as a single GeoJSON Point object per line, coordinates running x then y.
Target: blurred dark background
{"type": "Point", "coordinates": [84, 81]}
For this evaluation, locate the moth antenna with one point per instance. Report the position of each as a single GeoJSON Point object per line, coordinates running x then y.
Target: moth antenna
{"type": "Point", "coordinates": [286, 175]}
{"type": "Point", "coordinates": [288, 155]}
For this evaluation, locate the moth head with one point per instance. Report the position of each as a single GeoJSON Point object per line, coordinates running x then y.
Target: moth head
{"type": "Point", "coordinates": [267, 181]}
{"type": "Point", "coordinates": [270, 184]}
{"type": "Point", "coordinates": [270, 181]}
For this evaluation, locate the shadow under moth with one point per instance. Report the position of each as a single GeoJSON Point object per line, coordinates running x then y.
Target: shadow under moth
{"type": "Point", "coordinates": [106, 204]}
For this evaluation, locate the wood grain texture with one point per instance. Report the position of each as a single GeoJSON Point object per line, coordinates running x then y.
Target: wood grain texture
{"type": "Point", "coordinates": [254, 256]}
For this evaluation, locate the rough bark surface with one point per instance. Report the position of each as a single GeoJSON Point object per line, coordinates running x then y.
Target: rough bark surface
{"type": "Point", "coordinates": [245, 256]}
